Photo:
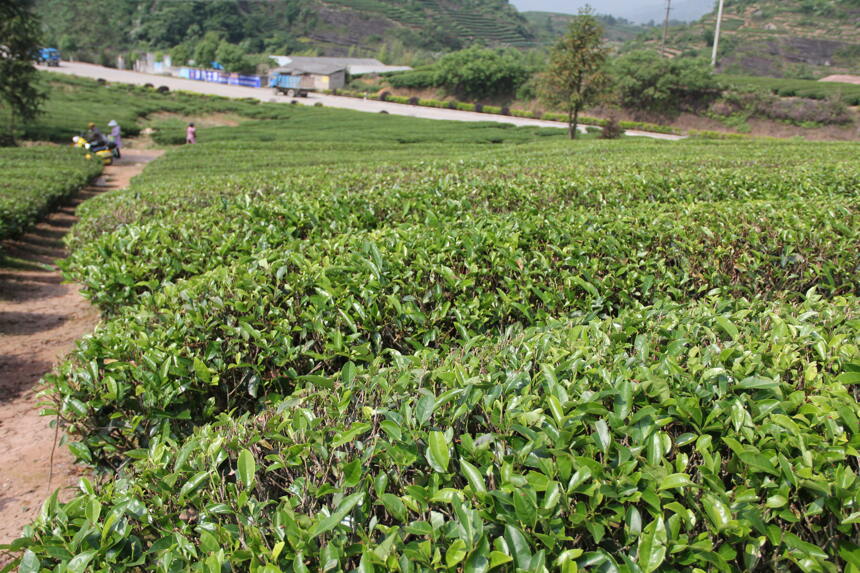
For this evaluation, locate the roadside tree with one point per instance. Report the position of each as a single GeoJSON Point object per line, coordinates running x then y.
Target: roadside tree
{"type": "Point", "coordinates": [481, 73]}
{"type": "Point", "coordinates": [20, 97]}
{"type": "Point", "coordinates": [646, 81]}
{"type": "Point", "coordinates": [576, 77]}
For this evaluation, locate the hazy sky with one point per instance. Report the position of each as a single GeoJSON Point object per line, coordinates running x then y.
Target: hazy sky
{"type": "Point", "coordinates": [641, 10]}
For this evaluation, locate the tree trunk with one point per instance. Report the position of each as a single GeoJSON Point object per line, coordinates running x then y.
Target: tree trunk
{"type": "Point", "coordinates": [572, 121]}
{"type": "Point", "coordinates": [571, 124]}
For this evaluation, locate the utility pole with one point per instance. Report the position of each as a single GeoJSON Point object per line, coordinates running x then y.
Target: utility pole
{"type": "Point", "coordinates": [666, 27]}
{"type": "Point", "coordinates": [717, 35]}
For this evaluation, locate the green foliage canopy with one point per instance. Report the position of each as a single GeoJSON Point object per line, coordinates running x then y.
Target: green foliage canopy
{"type": "Point", "coordinates": [575, 78]}
{"type": "Point", "coordinates": [480, 73]}
{"type": "Point", "coordinates": [644, 80]}
{"type": "Point", "coordinates": [19, 43]}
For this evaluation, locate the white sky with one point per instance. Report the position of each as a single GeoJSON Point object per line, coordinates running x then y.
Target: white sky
{"type": "Point", "coordinates": [640, 10]}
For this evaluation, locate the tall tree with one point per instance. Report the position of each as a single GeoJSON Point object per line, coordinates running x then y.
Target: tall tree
{"type": "Point", "coordinates": [576, 76]}
{"type": "Point", "coordinates": [19, 43]}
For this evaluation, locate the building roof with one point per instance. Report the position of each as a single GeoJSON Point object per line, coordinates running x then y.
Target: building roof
{"type": "Point", "coordinates": [359, 70]}
{"type": "Point", "coordinates": [285, 60]}
{"type": "Point", "coordinates": [316, 69]}
{"type": "Point", "coordinates": [355, 66]}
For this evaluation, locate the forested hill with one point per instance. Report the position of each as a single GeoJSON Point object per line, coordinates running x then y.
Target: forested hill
{"type": "Point", "coordinates": [100, 29]}
{"type": "Point", "coordinates": [794, 38]}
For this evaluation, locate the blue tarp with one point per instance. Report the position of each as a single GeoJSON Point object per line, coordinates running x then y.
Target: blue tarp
{"type": "Point", "coordinates": [219, 77]}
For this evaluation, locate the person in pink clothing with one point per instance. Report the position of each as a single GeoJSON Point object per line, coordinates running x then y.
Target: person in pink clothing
{"type": "Point", "coordinates": [191, 134]}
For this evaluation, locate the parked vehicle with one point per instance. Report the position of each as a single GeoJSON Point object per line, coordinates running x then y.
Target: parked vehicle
{"type": "Point", "coordinates": [106, 151]}
{"type": "Point", "coordinates": [292, 85]}
{"type": "Point", "coordinates": [49, 57]}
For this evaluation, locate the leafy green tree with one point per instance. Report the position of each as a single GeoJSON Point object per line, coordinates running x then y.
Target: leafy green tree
{"type": "Point", "coordinates": [576, 75]}
{"type": "Point", "coordinates": [480, 73]}
{"type": "Point", "coordinates": [644, 80]}
{"type": "Point", "coordinates": [234, 58]}
{"type": "Point", "coordinates": [20, 96]}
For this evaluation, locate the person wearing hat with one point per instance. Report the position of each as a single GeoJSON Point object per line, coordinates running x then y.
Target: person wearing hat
{"type": "Point", "coordinates": [116, 137]}
{"type": "Point", "coordinates": [94, 136]}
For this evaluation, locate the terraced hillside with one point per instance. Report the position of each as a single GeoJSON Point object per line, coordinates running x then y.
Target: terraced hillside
{"type": "Point", "coordinates": [101, 30]}
{"type": "Point", "coordinates": [791, 38]}
{"type": "Point", "coordinates": [490, 21]}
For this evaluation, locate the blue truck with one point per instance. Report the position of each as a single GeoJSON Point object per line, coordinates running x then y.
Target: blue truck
{"type": "Point", "coordinates": [49, 57]}
{"type": "Point", "coordinates": [291, 85]}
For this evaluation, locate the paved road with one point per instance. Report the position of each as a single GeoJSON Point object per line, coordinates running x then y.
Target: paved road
{"type": "Point", "coordinates": [265, 94]}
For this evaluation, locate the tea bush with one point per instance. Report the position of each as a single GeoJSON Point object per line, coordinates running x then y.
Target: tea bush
{"type": "Point", "coordinates": [401, 346]}
{"type": "Point", "coordinates": [715, 435]}
{"type": "Point", "coordinates": [36, 179]}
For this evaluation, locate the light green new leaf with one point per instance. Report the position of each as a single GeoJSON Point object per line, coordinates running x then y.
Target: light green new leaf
{"type": "Point", "coordinates": [437, 452]}
{"type": "Point", "coordinates": [330, 522]}
{"type": "Point", "coordinates": [727, 326]}
{"type": "Point", "coordinates": [79, 563]}
{"type": "Point", "coordinates": [717, 511]}
{"type": "Point", "coordinates": [652, 546]}
{"type": "Point", "coordinates": [675, 481]}
{"type": "Point", "coordinates": [456, 553]}
{"type": "Point", "coordinates": [247, 468]}
{"type": "Point", "coordinates": [193, 483]}
{"type": "Point", "coordinates": [347, 373]}
{"type": "Point", "coordinates": [202, 371]}
{"type": "Point", "coordinates": [602, 436]}
{"type": "Point", "coordinates": [473, 476]}
{"type": "Point", "coordinates": [29, 563]}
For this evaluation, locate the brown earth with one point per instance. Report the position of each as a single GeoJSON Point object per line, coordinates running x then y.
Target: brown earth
{"type": "Point", "coordinates": [40, 319]}
{"type": "Point", "coordinates": [842, 79]}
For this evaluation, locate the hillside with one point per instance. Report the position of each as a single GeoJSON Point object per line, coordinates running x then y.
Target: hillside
{"type": "Point", "coordinates": [102, 29]}
{"type": "Point", "coordinates": [784, 38]}
{"type": "Point", "coordinates": [549, 26]}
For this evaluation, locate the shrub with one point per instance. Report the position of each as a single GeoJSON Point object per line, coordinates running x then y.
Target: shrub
{"type": "Point", "coordinates": [318, 104]}
{"type": "Point", "coordinates": [611, 129]}
{"type": "Point", "coordinates": [383, 96]}
{"type": "Point", "coordinates": [163, 89]}
{"type": "Point", "coordinates": [645, 80]}
{"type": "Point", "coordinates": [416, 79]}
{"type": "Point", "coordinates": [480, 73]}
{"type": "Point", "coordinates": [414, 100]}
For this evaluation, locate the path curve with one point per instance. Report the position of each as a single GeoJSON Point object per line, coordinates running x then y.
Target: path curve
{"type": "Point", "coordinates": [267, 95]}
{"type": "Point", "coordinates": [40, 319]}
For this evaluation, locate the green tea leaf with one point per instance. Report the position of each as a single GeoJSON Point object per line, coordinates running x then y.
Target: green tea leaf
{"type": "Point", "coordinates": [456, 553]}
{"type": "Point", "coordinates": [328, 523]}
{"type": "Point", "coordinates": [247, 468]}
{"type": "Point", "coordinates": [652, 546]}
{"type": "Point", "coordinates": [437, 451]}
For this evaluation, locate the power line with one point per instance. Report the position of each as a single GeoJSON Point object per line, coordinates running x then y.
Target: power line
{"type": "Point", "coordinates": [666, 26]}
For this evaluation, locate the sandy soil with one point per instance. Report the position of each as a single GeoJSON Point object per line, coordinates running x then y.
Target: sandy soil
{"type": "Point", "coordinates": [842, 79]}
{"type": "Point", "coordinates": [40, 319]}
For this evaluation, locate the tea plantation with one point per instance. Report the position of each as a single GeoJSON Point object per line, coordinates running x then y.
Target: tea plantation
{"type": "Point", "coordinates": [35, 180]}
{"type": "Point", "coordinates": [362, 343]}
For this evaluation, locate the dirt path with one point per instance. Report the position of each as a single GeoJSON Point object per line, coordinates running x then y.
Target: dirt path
{"type": "Point", "coordinates": [40, 319]}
